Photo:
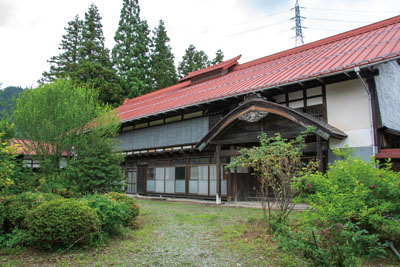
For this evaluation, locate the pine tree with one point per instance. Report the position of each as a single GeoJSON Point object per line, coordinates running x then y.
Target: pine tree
{"type": "Point", "coordinates": [70, 45]}
{"type": "Point", "coordinates": [162, 60]}
{"type": "Point", "coordinates": [219, 57]}
{"type": "Point", "coordinates": [92, 47]}
{"type": "Point", "coordinates": [130, 54]}
{"type": "Point", "coordinates": [85, 59]}
{"type": "Point", "coordinates": [95, 68]}
{"type": "Point", "coordinates": [192, 60]}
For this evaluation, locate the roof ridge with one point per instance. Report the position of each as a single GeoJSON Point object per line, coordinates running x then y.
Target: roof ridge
{"type": "Point", "coordinates": [317, 43]}
{"type": "Point", "coordinates": [222, 65]}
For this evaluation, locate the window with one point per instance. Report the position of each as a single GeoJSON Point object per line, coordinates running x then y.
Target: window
{"type": "Point", "coordinates": [166, 180]}
{"type": "Point", "coordinates": [180, 176]}
{"type": "Point", "coordinates": [132, 181]}
{"type": "Point", "coordinates": [150, 180]}
{"type": "Point", "coordinates": [203, 180]}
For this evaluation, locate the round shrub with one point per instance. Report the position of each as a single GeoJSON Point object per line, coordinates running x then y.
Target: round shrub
{"type": "Point", "coordinates": [61, 223]}
{"type": "Point", "coordinates": [133, 211]}
{"type": "Point", "coordinates": [17, 206]}
{"type": "Point", "coordinates": [112, 213]}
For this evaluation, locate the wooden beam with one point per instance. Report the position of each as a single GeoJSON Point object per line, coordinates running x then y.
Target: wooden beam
{"type": "Point", "coordinates": [319, 154]}
{"type": "Point", "coordinates": [218, 166]}
{"type": "Point", "coordinates": [229, 153]}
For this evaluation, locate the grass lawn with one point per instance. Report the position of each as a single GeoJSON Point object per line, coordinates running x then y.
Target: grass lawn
{"type": "Point", "coordinates": [175, 234]}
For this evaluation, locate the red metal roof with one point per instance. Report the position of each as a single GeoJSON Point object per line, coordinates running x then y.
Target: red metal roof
{"type": "Point", "coordinates": [223, 65]}
{"type": "Point", "coordinates": [392, 153]}
{"type": "Point", "coordinates": [25, 149]}
{"type": "Point", "coordinates": [367, 45]}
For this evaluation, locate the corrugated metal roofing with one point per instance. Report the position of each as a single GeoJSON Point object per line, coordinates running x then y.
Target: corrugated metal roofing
{"type": "Point", "coordinates": [223, 65]}
{"type": "Point", "coordinates": [367, 45]}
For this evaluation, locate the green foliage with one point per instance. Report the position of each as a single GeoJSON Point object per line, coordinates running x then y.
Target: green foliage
{"type": "Point", "coordinates": [329, 245]}
{"type": "Point", "coordinates": [102, 79]}
{"type": "Point", "coordinates": [356, 191]}
{"type": "Point", "coordinates": [6, 99]}
{"type": "Point", "coordinates": [8, 153]}
{"type": "Point", "coordinates": [162, 60]}
{"type": "Point", "coordinates": [92, 47]}
{"type": "Point", "coordinates": [112, 213]}
{"type": "Point", "coordinates": [85, 59]}
{"type": "Point", "coordinates": [96, 166]}
{"type": "Point", "coordinates": [53, 115]}
{"type": "Point", "coordinates": [130, 54]}
{"type": "Point", "coordinates": [276, 163]}
{"type": "Point", "coordinates": [354, 206]}
{"type": "Point", "coordinates": [131, 202]}
{"type": "Point", "coordinates": [219, 57]}
{"type": "Point", "coordinates": [62, 64]}
{"type": "Point", "coordinates": [17, 238]}
{"type": "Point", "coordinates": [62, 223]}
{"type": "Point", "coordinates": [16, 207]}
{"type": "Point", "coordinates": [192, 60]}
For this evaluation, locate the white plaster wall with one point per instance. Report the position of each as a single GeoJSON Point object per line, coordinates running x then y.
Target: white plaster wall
{"type": "Point", "coordinates": [348, 110]}
{"type": "Point", "coordinates": [388, 89]}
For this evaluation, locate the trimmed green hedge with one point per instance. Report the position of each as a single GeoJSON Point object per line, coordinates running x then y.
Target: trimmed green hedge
{"type": "Point", "coordinates": [15, 207]}
{"type": "Point", "coordinates": [62, 223]}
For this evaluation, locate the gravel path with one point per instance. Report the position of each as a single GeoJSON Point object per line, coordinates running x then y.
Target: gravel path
{"type": "Point", "coordinates": [187, 235]}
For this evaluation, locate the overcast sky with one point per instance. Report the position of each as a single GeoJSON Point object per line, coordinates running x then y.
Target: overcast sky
{"type": "Point", "coordinates": [31, 31]}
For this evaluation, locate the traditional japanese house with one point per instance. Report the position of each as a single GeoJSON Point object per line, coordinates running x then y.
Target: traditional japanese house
{"type": "Point", "coordinates": [178, 139]}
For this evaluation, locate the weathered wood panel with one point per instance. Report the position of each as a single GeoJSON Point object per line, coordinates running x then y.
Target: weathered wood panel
{"type": "Point", "coordinates": [141, 179]}
{"type": "Point", "coordinates": [247, 132]}
{"type": "Point", "coordinates": [182, 132]}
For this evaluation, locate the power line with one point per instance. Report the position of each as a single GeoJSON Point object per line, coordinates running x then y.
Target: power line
{"type": "Point", "coordinates": [257, 19]}
{"type": "Point", "coordinates": [258, 28]}
{"type": "Point", "coordinates": [340, 20]}
{"type": "Point", "coordinates": [353, 10]}
{"type": "Point", "coordinates": [321, 29]}
{"type": "Point", "coordinates": [245, 22]}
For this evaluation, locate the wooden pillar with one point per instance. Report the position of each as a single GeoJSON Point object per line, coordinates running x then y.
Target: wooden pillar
{"type": "Point", "coordinates": [319, 154]}
{"type": "Point", "coordinates": [218, 167]}
{"type": "Point", "coordinates": [229, 187]}
{"type": "Point", "coordinates": [235, 187]}
{"type": "Point", "coordinates": [187, 174]}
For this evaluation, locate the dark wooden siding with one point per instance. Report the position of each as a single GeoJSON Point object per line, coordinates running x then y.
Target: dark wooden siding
{"type": "Point", "coordinates": [177, 133]}
{"type": "Point", "coordinates": [141, 179]}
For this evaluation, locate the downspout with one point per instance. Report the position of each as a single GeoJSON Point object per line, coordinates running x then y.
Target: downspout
{"type": "Point", "coordinates": [374, 148]}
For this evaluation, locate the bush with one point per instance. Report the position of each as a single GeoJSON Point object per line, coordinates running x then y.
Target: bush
{"type": "Point", "coordinates": [112, 213]}
{"type": "Point", "coordinates": [133, 210]}
{"type": "Point", "coordinates": [17, 238]}
{"type": "Point", "coordinates": [355, 206]}
{"type": "Point", "coordinates": [16, 207]}
{"type": "Point", "coordinates": [62, 223]}
{"type": "Point", "coordinates": [356, 191]}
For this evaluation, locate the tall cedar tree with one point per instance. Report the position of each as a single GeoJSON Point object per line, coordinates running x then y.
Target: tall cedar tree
{"type": "Point", "coordinates": [62, 64]}
{"type": "Point", "coordinates": [95, 67]}
{"type": "Point", "coordinates": [92, 48]}
{"type": "Point", "coordinates": [162, 60]}
{"type": "Point", "coordinates": [130, 54]}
